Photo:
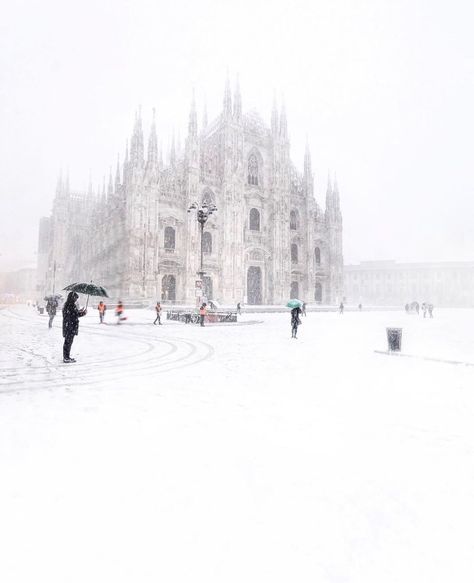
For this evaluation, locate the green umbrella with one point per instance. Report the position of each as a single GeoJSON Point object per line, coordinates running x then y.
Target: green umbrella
{"type": "Point", "coordinates": [87, 288]}
{"type": "Point", "coordinates": [294, 303]}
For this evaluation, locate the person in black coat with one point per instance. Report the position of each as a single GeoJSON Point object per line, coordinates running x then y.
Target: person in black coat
{"type": "Point", "coordinates": [295, 321]}
{"type": "Point", "coordinates": [71, 315]}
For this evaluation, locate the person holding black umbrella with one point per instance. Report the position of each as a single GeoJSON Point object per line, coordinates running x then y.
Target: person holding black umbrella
{"type": "Point", "coordinates": [51, 307]}
{"type": "Point", "coordinates": [71, 315]}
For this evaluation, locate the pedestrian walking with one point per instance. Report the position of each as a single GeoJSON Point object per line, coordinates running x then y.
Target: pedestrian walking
{"type": "Point", "coordinates": [303, 308]}
{"type": "Point", "coordinates": [51, 307]}
{"type": "Point", "coordinates": [71, 315]}
{"type": "Point", "coordinates": [341, 308]}
{"type": "Point", "coordinates": [102, 309]}
{"type": "Point", "coordinates": [430, 310]}
{"type": "Point", "coordinates": [158, 313]}
{"type": "Point", "coordinates": [202, 313]}
{"type": "Point", "coordinates": [295, 321]}
{"type": "Point", "coordinates": [119, 312]}
{"type": "Point", "coordinates": [424, 307]}
{"type": "Point", "coordinates": [239, 311]}
{"type": "Point", "coordinates": [360, 307]}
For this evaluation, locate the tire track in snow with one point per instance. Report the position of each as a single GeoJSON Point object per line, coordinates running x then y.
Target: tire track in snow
{"type": "Point", "coordinates": [159, 356]}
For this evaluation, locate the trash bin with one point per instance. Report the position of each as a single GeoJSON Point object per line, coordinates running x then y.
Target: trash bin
{"type": "Point", "coordinates": [394, 337]}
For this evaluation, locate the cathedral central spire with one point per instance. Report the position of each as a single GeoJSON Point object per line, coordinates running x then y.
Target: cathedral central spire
{"type": "Point", "coordinates": [227, 98]}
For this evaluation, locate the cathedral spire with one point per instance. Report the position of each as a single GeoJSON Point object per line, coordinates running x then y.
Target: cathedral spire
{"type": "Point", "coordinates": [117, 174]}
{"type": "Point", "coordinates": [283, 122]}
{"type": "Point", "coordinates": [160, 156]}
{"type": "Point", "coordinates": [227, 98]}
{"type": "Point", "coordinates": [237, 102]}
{"type": "Point", "coordinates": [274, 116]}
{"type": "Point", "coordinates": [173, 152]}
{"type": "Point", "coordinates": [136, 145]}
{"type": "Point", "coordinates": [204, 116]}
{"type": "Point", "coordinates": [110, 187]}
{"type": "Point", "coordinates": [152, 145]}
{"type": "Point", "coordinates": [329, 192]}
{"type": "Point", "coordinates": [192, 125]}
{"type": "Point", "coordinates": [90, 192]}
{"type": "Point", "coordinates": [307, 160]}
{"type": "Point", "coordinates": [59, 183]}
{"type": "Point", "coordinates": [335, 192]}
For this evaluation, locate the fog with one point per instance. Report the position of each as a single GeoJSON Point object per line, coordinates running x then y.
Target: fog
{"type": "Point", "coordinates": [382, 90]}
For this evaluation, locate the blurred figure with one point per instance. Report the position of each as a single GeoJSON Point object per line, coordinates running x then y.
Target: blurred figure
{"type": "Point", "coordinates": [303, 309]}
{"type": "Point", "coordinates": [119, 312]}
{"type": "Point", "coordinates": [71, 315]}
{"type": "Point", "coordinates": [51, 307]}
{"type": "Point", "coordinates": [360, 307]}
{"type": "Point", "coordinates": [430, 310]}
{"type": "Point", "coordinates": [102, 309]}
{"type": "Point", "coordinates": [239, 309]}
{"type": "Point", "coordinates": [202, 313]}
{"type": "Point", "coordinates": [295, 321]}
{"type": "Point", "coordinates": [424, 307]}
{"type": "Point", "coordinates": [158, 313]}
{"type": "Point", "coordinates": [341, 308]}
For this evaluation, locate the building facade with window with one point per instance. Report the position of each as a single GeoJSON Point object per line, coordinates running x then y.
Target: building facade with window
{"type": "Point", "coordinates": [388, 283]}
{"type": "Point", "coordinates": [269, 240]}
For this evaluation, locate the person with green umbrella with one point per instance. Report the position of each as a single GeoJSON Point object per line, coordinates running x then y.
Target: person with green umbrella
{"type": "Point", "coordinates": [295, 306]}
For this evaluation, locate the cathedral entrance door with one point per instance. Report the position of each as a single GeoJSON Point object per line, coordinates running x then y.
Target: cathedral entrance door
{"type": "Point", "coordinates": [254, 285]}
{"type": "Point", "coordinates": [294, 291]}
{"type": "Point", "coordinates": [168, 288]}
{"type": "Point", "coordinates": [318, 292]}
{"type": "Point", "coordinates": [207, 286]}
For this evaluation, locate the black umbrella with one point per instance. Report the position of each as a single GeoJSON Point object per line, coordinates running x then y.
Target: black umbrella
{"type": "Point", "coordinates": [52, 297]}
{"type": "Point", "coordinates": [88, 288]}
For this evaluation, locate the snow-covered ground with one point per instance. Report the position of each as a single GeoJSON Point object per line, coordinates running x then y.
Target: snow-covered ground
{"type": "Point", "coordinates": [234, 453]}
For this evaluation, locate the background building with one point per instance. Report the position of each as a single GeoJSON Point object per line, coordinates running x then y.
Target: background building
{"type": "Point", "coordinates": [385, 283]}
{"type": "Point", "coordinates": [268, 241]}
{"type": "Point", "coordinates": [18, 286]}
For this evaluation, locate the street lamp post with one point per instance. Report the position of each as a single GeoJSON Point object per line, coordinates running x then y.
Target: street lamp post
{"type": "Point", "coordinates": [203, 212]}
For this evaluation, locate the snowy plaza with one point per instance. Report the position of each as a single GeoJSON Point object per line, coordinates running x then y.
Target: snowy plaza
{"type": "Point", "coordinates": [233, 453]}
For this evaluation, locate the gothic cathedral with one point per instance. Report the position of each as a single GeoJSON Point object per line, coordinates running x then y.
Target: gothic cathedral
{"type": "Point", "coordinates": [268, 241]}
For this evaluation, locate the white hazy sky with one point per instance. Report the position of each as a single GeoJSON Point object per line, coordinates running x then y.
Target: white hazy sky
{"type": "Point", "coordinates": [384, 90]}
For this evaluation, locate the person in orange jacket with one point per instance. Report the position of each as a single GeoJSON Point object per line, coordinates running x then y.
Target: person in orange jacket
{"type": "Point", "coordinates": [119, 312]}
{"type": "Point", "coordinates": [202, 313]}
{"type": "Point", "coordinates": [102, 309]}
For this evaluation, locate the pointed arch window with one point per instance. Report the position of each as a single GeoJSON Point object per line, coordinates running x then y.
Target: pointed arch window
{"type": "Point", "coordinates": [207, 242]}
{"type": "Point", "coordinates": [294, 253]}
{"type": "Point", "coordinates": [254, 220]}
{"type": "Point", "coordinates": [253, 170]}
{"type": "Point", "coordinates": [317, 256]}
{"type": "Point", "coordinates": [294, 221]}
{"type": "Point", "coordinates": [170, 238]}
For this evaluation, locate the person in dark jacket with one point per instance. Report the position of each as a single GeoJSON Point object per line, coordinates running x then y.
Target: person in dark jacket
{"type": "Point", "coordinates": [295, 321]}
{"type": "Point", "coordinates": [71, 315]}
{"type": "Point", "coordinates": [51, 306]}
{"type": "Point", "coordinates": [158, 313]}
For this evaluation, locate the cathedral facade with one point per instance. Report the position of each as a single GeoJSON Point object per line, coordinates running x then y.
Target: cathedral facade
{"type": "Point", "coordinates": [268, 241]}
